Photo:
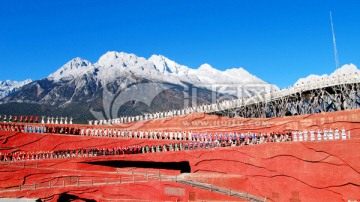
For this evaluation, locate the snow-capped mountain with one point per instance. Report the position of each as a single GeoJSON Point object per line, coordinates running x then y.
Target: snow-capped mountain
{"type": "Point", "coordinates": [80, 86]}
{"type": "Point", "coordinates": [113, 65]}
{"type": "Point", "coordinates": [71, 69]}
{"type": "Point", "coordinates": [7, 87]}
{"type": "Point", "coordinates": [345, 69]}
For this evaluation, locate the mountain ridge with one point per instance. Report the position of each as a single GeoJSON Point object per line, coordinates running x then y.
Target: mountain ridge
{"type": "Point", "coordinates": [80, 87]}
{"type": "Point", "coordinates": [345, 69]}
{"type": "Point", "coordinates": [7, 87]}
{"type": "Point", "coordinates": [157, 67]}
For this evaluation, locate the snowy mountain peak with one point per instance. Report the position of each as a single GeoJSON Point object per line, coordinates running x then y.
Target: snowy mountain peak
{"type": "Point", "coordinates": [15, 83]}
{"type": "Point", "coordinates": [167, 66]}
{"type": "Point", "coordinates": [75, 64]}
{"type": "Point", "coordinates": [345, 69]}
{"type": "Point", "coordinates": [206, 67]}
{"type": "Point", "coordinates": [118, 59]}
{"type": "Point", "coordinates": [70, 69]}
{"type": "Point", "coordinates": [239, 70]}
{"type": "Point", "coordinates": [207, 74]}
{"type": "Point", "coordinates": [243, 75]}
{"type": "Point", "coordinates": [207, 70]}
{"type": "Point", "coordinates": [113, 65]}
{"type": "Point", "coordinates": [159, 58]}
{"type": "Point", "coordinates": [7, 87]}
{"type": "Point", "coordinates": [162, 63]}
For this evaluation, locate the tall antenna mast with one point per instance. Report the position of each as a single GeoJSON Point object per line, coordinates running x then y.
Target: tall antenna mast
{"type": "Point", "coordinates": [334, 42]}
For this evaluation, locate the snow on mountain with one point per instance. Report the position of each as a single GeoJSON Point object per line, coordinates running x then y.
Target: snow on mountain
{"type": "Point", "coordinates": [116, 59]}
{"type": "Point", "coordinates": [7, 87]}
{"type": "Point", "coordinates": [167, 66]}
{"type": "Point", "coordinates": [208, 75]}
{"type": "Point", "coordinates": [173, 71]}
{"type": "Point", "coordinates": [71, 69]}
{"type": "Point", "coordinates": [345, 69]}
{"type": "Point", "coordinates": [243, 75]}
{"type": "Point", "coordinates": [114, 65]}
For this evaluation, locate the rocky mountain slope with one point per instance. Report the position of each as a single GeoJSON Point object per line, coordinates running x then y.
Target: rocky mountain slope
{"type": "Point", "coordinates": [129, 84]}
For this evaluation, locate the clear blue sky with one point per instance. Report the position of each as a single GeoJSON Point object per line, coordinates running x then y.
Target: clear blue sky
{"type": "Point", "coordinates": [279, 41]}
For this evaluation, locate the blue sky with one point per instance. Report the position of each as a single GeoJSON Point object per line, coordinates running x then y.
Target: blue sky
{"type": "Point", "coordinates": [278, 41]}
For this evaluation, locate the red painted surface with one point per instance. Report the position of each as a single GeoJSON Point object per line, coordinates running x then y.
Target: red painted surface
{"type": "Point", "coordinates": [289, 171]}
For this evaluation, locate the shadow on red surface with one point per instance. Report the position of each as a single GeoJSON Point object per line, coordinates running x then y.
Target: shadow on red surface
{"type": "Point", "coordinates": [183, 166]}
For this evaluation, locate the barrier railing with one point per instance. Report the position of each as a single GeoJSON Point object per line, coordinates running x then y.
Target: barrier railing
{"type": "Point", "coordinates": [76, 181]}
{"type": "Point", "coordinates": [213, 188]}
{"type": "Point", "coordinates": [134, 177]}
